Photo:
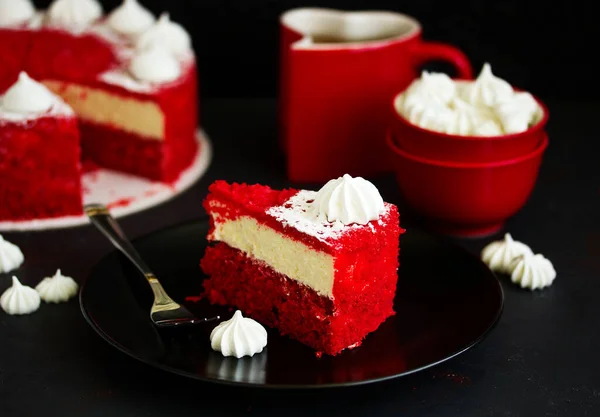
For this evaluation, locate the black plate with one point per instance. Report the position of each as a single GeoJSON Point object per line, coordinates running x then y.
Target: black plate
{"type": "Point", "coordinates": [447, 301]}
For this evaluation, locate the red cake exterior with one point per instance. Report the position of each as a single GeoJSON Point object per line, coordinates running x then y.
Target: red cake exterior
{"type": "Point", "coordinates": [40, 169]}
{"type": "Point", "coordinates": [61, 58]}
{"type": "Point", "coordinates": [160, 160]}
{"type": "Point", "coordinates": [14, 48]}
{"type": "Point", "coordinates": [364, 282]}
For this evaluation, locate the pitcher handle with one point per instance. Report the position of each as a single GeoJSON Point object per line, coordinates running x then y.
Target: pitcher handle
{"type": "Point", "coordinates": [424, 52]}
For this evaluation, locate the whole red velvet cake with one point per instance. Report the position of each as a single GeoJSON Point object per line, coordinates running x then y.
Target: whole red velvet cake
{"type": "Point", "coordinates": [40, 168]}
{"type": "Point", "coordinates": [320, 267]}
{"type": "Point", "coordinates": [129, 77]}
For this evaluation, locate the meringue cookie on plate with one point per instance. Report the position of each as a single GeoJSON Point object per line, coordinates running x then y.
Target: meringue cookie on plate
{"type": "Point", "coordinates": [348, 200]}
{"type": "Point", "coordinates": [57, 289]}
{"type": "Point", "coordinates": [239, 336]}
{"type": "Point", "coordinates": [499, 255]}
{"type": "Point", "coordinates": [19, 299]}
{"type": "Point", "coordinates": [532, 271]}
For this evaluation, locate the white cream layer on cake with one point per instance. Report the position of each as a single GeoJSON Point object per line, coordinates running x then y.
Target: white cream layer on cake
{"type": "Point", "coordinates": [292, 258]}
{"type": "Point", "coordinates": [103, 107]}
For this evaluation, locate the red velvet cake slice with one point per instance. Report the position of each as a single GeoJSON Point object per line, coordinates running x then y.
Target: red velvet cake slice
{"type": "Point", "coordinates": [320, 267]}
{"type": "Point", "coordinates": [39, 154]}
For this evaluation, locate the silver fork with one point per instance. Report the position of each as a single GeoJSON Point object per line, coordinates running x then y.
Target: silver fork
{"type": "Point", "coordinates": [165, 312]}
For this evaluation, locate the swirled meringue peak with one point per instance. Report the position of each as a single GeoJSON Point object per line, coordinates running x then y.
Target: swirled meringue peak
{"type": "Point", "coordinates": [168, 33]}
{"type": "Point", "coordinates": [27, 96]}
{"type": "Point", "coordinates": [15, 12]}
{"type": "Point", "coordinates": [425, 112]}
{"type": "Point", "coordinates": [499, 255]}
{"type": "Point", "coordinates": [518, 112]}
{"type": "Point", "coordinates": [239, 336]}
{"type": "Point", "coordinates": [532, 271]}
{"type": "Point", "coordinates": [57, 289]}
{"type": "Point", "coordinates": [487, 90]}
{"type": "Point", "coordinates": [348, 200]}
{"type": "Point", "coordinates": [19, 299]}
{"type": "Point", "coordinates": [130, 18]}
{"type": "Point", "coordinates": [433, 86]}
{"type": "Point", "coordinates": [74, 14]}
{"type": "Point", "coordinates": [155, 65]}
{"type": "Point", "coordinates": [11, 256]}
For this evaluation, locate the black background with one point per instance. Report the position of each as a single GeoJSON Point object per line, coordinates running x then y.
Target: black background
{"type": "Point", "coordinates": [547, 48]}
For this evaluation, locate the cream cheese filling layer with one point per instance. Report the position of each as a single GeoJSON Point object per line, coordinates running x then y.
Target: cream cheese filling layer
{"type": "Point", "coordinates": [140, 117]}
{"type": "Point", "coordinates": [298, 261]}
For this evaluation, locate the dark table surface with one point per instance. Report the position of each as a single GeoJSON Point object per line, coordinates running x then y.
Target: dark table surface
{"type": "Point", "coordinates": [541, 359]}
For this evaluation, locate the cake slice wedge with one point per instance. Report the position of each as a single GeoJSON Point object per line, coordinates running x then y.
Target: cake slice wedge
{"type": "Point", "coordinates": [40, 168]}
{"type": "Point", "coordinates": [321, 267]}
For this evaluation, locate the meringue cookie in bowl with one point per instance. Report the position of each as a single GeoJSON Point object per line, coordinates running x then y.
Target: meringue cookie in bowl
{"type": "Point", "coordinates": [168, 33]}
{"type": "Point", "coordinates": [433, 86]}
{"type": "Point", "coordinates": [532, 271]}
{"type": "Point", "coordinates": [487, 106]}
{"type": "Point", "coordinates": [74, 14]}
{"type": "Point", "coordinates": [487, 90]}
{"type": "Point", "coordinates": [426, 113]}
{"type": "Point", "coordinates": [517, 113]}
{"type": "Point", "coordinates": [57, 289]}
{"type": "Point", "coordinates": [11, 256]}
{"type": "Point", "coordinates": [130, 18]}
{"type": "Point", "coordinates": [16, 12]}
{"type": "Point", "coordinates": [498, 255]}
{"type": "Point", "coordinates": [239, 336]}
{"type": "Point", "coordinates": [19, 299]}
{"type": "Point", "coordinates": [348, 200]}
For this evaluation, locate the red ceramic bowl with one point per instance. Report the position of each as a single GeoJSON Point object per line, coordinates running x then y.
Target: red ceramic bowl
{"type": "Point", "coordinates": [466, 199]}
{"type": "Point", "coordinates": [455, 148]}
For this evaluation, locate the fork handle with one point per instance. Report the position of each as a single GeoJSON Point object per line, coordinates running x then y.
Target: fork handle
{"type": "Point", "coordinates": [102, 219]}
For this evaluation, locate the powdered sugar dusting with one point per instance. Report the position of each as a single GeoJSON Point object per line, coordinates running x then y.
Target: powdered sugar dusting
{"type": "Point", "coordinates": [298, 212]}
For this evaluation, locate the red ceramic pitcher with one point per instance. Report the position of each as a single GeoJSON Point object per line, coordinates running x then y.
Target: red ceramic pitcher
{"type": "Point", "coordinates": [338, 72]}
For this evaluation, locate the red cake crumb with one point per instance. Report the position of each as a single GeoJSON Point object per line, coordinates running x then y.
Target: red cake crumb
{"type": "Point", "coordinates": [366, 263]}
{"type": "Point", "coordinates": [122, 202]}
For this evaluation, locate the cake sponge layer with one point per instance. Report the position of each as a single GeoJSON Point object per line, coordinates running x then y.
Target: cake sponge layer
{"type": "Point", "coordinates": [293, 308]}
{"type": "Point", "coordinates": [288, 257]}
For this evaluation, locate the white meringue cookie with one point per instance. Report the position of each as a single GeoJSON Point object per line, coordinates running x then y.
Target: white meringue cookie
{"type": "Point", "coordinates": [239, 336]}
{"type": "Point", "coordinates": [168, 33]}
{"type": "Point", "coordinates": [487, 90]}
{"type": "Point", "coordinates": [15, 12]}
{"type": "Point", "coordinates": [532, 271]}
{"type": "Point", "coordinates": [11, 256]}
{"type": "Point", "coordinates": [349, 200]}
{"type": "Point", "coordinates": [517, 113]}
{"type": "Point", "coordinates": [499, 255]}
{"type": "Point", "coordinates": [130, 18]}
{"type": "Point", "coordinates": [57, 289]}
{"type": "Point", "coordinates": [19, 299]}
